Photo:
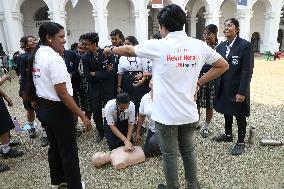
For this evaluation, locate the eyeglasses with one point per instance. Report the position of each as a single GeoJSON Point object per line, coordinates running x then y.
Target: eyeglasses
{"type": "Point", "coordinates": [207, 34]}
{"type": "Point", "coordinates": [227, 26]}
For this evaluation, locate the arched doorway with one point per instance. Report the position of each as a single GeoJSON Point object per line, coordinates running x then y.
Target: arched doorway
{"type": "Point", "coordinates": [35, 12]}
{"type": "Point", "coordinates": [257, 22]}
{"type": "Point", "coordinates": [200, 25]}
{"type": "Point", "coordinates": [280, 38]}
{"type": "Point", "coordinates": [79, 20]}
{"type": "Point", "coordinates": [153, 24]}
{"type": "Point", "coordinates": [255, 42]}
{"type": "Point", "coordinates": [228, 10]}
{"type": "Point", "coordinates": [281, 26]}
{"type": "Point", "coordinates": [121, 16]}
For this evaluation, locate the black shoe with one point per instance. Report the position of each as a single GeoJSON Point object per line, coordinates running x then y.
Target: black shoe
{"type": "Point", "coordinates": [162, 186]}
{"type": "Point", "coordinates": [100, 137]}
{"type": "Point", "coordinates": [4, 167]}
{"type": "Point", "coordinates": [14, 143]}
{"type": "Point", "coordinates": [238, 149]}
{"type": "Point", "coordinates": [44, 142]}
{"type": "Point", "coordinates": [223, 138]}
{"type": "Point", "coordinates": [32, 133]}
{"type": "Point", "coordinates": [12, 153]}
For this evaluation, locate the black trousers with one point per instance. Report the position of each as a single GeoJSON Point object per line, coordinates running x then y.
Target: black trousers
{"type": "Point", "coordinates": [59, 124]}
{"type": "Point", "coordinates": [242, 125]}
{"type": "Point", "coordinates": [97, 104]}
{"type": "Point", "coordinates": [151, 146]}
{"type": "Point", "coordinates": [112, 140]}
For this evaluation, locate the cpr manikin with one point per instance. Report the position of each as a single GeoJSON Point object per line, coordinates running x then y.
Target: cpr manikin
{"type": "Point", "coordinates": [119, 157]}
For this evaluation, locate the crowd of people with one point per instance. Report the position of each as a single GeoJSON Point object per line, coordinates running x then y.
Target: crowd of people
{"type": "Point", "coordinates": [165, 81]}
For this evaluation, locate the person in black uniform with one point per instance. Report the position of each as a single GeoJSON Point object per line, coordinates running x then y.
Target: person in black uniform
{"type": "Point", "coordinates": [120, 116]}
{"type": "Point", "coordinates": [100, 74]}
{"type": "Point", "coordinates": [28, 44]}
{"type": "Point", "coordinates": [6, 124]}
{"type": "Point", "coordinates": [117, 39]}
{"type": "Point", "coordinates": [206, 93]}
{"type": "Point", "coordinates": [233, 87]}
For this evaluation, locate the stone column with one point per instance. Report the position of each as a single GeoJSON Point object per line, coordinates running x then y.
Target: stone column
{"type": "Point", "coordinates": [9, 24]}
{"type": "Point", "coordinates": [193, 21]}
{"type": "Point", "coordinates": [101, 28]}
{"type": "Point", "coordinates": [244, 17]}
{"type": "Point", "coordinates": [270, 33]}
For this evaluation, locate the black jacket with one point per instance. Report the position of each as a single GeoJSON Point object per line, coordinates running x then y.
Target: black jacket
{"type": "Point", "coordinates": [236, 80]}
{"type": "Point", "coordinates": [23, 61]}
{"type": "Point", "coordinates": [103, 83]}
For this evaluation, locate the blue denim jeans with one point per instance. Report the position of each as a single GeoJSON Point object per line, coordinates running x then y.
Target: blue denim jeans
{"type": "Point", "coordinates": [170, 138]}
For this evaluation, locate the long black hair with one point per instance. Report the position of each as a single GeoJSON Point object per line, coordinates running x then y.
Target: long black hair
{"type": "Point", "coordinates": [236, 24]}
{"type": "Point", "coordinates": [48, 28]}
{"type": "Point", "coordinates": [212, 28]}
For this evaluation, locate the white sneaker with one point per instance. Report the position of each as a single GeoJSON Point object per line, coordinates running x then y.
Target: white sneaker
{"type": "Point", "coordinates": [83, 185]}
{"type": "Point", "coordinates": [55, 186]}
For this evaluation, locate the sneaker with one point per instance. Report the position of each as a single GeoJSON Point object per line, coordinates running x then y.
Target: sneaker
{"type": "Point", "coordinates": [44, 142]}
{"type": "Point", "coordinates": [4, 168]}
{"type": "Point", "coordinates": [223, 138]}
{"type": "Point", "coordinates": [32, 133]}
{"type": "Point", "coordinates": [238, 149]}
{"type": "Point", "coordinates": [162, 186]}
{"type": "Point", "coordinates": [12, 153]}
{"type": "Point", "coordinates": [14, 143]}
{"type": "Point", "coordinates": [99, 137]}
{"type": "Point", "coordinates": [204, 132]}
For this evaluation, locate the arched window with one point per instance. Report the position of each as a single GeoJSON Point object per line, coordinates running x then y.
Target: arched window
{"type": "Point", "coordinates": [41, 14]}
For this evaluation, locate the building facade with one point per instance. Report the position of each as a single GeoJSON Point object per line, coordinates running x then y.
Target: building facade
{"type": "Point", "coordinates": [261, 22]}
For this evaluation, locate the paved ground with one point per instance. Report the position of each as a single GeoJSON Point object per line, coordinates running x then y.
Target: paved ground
{"type": "Point", "coordinates": [258, 168]}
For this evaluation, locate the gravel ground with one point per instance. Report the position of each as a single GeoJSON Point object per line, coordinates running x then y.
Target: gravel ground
{"type": "Point", "coordinates": [258, 168]}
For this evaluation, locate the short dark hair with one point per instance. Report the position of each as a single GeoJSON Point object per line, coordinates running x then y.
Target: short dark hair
{"type": "Point", "coordinates": [132, 39]}
{"type": "Point", "coordinates": [92, 37]}
{"type": "Point", "coordinates": [172, 17]}
{"type": "Point", "coordinates": [123, 98]}
{"type": "Point", "coordinates": [74, 46]}
{"type": "Point", "coordinates": [117, 32]}
{"type": "Point", "coordinates": [236, 24]}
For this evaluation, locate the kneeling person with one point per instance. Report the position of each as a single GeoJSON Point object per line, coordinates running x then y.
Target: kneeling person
{"type": "Point", "coordinates": [120, 116]}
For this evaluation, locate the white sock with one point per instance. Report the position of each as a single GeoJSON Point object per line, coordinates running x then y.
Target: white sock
{"type": "Point", "coordinates": [55, 186]}
{"type": "Point", "coordinates": [44, 133]}
{"type": "Point", "coordinates": [31, 124]}
{"type": "Point", "coordinates": [206, 126]}
{"type": "Point", "coordinates": [5, 148]}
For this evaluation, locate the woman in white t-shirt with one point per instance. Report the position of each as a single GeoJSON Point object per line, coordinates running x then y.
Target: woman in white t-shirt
{"type": "Point", "coordinates": [48, 84]}
{"type": "Point", "coordinates": [128, 68]}
{"type": "Point", "coordinates": [151, 146]}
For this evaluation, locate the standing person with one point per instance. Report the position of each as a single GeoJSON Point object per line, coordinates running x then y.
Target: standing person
{"type": "Point", "coordinates": [120, 116]}
{"type": "Point", "coordinates": [16, 61]}
{"type": "Point", "coordinates": [177, 61]}
{"type": "Point", "coordinates": [6, 124]}
{"type": "Point", "coordinates": [151, 146]}
{"type": "Point", "coordinates": [5, 62]}
{"type": "Point", "coordinates": [99, 72]}
{"type": "Point", "coordinates": [83, 90]}
{"type": "Point", "coordinates": [28, 44]}
{"type": "Point", "coordinates": [128, 67]}
{"type": "Point", "coordinates": [233, 88]}
{"type": "Point", "coordinates": [49, 85]}
{"type": "Point", "coordinates": [117, 39]}
{"type": "Point", "coordinates": [206, 93]}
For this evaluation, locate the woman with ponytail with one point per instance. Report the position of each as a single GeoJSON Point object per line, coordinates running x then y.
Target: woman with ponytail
{"type": "Point", "coordinates": [49, 86]}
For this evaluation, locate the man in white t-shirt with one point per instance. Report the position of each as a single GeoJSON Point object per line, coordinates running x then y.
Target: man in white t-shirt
{"type": "Point", "coordinates": [176, 63]}
{"type": "Point", "coordinates": [120, 116]}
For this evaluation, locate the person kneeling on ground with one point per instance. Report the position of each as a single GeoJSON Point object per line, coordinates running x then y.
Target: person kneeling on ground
{"type": "Point", "coordinates": [151, 146]}
{"type": "Point", "coordinates": [120, 116]}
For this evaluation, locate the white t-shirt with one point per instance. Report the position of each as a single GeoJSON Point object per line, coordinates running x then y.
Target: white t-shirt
{"type": "Point", "coordinates": [134, 64]}
{"type": "Point", "coordinates": [176, 63]}
{"type": "Point", "coordinates": [145, 109]}
{"type": "Point", "coordinates": [111, 113]}
{"type": "Point", "coordinates": [50, 69]}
